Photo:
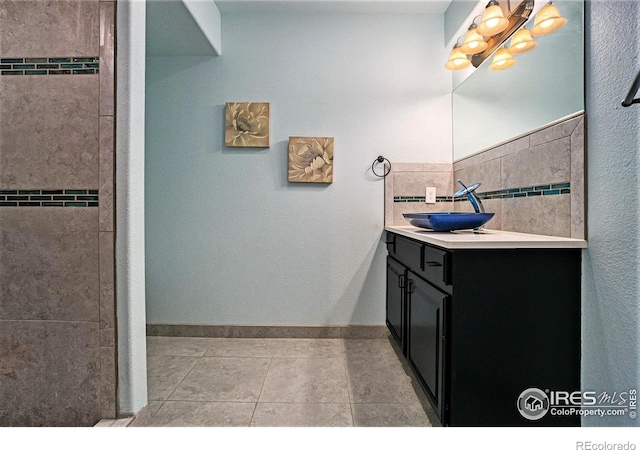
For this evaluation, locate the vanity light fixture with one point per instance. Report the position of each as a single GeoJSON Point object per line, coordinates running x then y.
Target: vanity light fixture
{"type": "Point", "coordinates": [473, 42]}
{"type": "Point", "coordinates": [457, 59]}
{"type": "Point", "coordinates": [502, 60]}
{"type": "Point", "coordinates": [493, 20]}
{"type": "Point", "coordinates": [479, 44]}
{"type": "Point", "coordinates": [547, 21]}
{"type": "Point", "coordinates": [522, 42]}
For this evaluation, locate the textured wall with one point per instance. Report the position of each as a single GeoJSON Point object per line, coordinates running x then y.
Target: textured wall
{"type": "Point", "coordinates": [228, 239]}
{"type": "Point", "coordinates": [130, 210]}
{"type": "Point", "coordinates": [610, 283]}
{"type": "Point", "coordinates": [57, 321]}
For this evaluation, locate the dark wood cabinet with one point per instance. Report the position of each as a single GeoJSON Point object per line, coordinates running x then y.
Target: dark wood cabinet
{"type": "Point", "coordinates": [480, 326]}
{"type": "Point", "coordinates": [396, 301]}
{"type": "Point", "coordinates": [426, 340]}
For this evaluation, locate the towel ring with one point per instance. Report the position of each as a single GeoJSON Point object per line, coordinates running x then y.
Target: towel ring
{"type": "Point", "coordinates": [380, 160]}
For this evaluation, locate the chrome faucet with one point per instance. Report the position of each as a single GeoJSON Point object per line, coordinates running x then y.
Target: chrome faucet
{"type": "Point", "coordinates": [468, 191]}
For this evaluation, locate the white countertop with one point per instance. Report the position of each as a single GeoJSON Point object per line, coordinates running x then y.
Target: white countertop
{"type": "Point", "coordinates": [485, 239]}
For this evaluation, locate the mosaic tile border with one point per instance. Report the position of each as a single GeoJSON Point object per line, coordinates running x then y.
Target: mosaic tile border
{"type": "Point", "coordinates": [418, 199]}
{"type": "Point", "coordinates": [49, 197]}
{"type": "Point", "coordinates": [50, 66]}
{"type": "Point", "coordinates": [529, 191]}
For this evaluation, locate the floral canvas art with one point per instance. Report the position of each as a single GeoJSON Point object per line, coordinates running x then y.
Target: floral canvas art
{"type": "Point", "coordinates": [246, 125]}
{"type": "Point", "coordinates": [311, 159]}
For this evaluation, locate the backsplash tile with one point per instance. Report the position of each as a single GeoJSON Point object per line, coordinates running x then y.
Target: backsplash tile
{"type": "Point", "coordinates": [487, 173]}
{"type": "Point", "coordinates": [558, 131]}
{"type": "Point", "coordinates": [413, 183]}
{"type": "Point", "coordinates": [549, 215]}
{"type": "Point", "coordinates": [405, 189]}
{"type": "Point", "coordinates": [545, 163]}
{"type": "Point", "coordinates": [528, 191]}
{"type": "Point", "coordinates": [533, 184]}
{"type": "Point", "coordinates": [541, 180]}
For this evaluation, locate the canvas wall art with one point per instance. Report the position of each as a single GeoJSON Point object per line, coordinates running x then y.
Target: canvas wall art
{"type": "Point", "coordinates": [246, 125]}
{"type": "Point", "coordinates": [310, 159]}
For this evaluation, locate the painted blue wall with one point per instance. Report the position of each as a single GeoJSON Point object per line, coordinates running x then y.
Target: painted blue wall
{"type": "Point", "coordinates": [611, 293]}
{"type": "Point", "coordinates": [228, 239]}
{"type": "Point", "coordinates": [457, 14]}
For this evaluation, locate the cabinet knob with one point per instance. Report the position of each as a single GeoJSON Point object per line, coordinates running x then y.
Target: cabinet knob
{"type": "Point", "coordinates": [432, 263]}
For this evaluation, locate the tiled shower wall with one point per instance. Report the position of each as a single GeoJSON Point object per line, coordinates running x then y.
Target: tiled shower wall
{"type": "Point", "coordinates": [533, 184]}
{"type": "Point", "coordinates": [57, 306]}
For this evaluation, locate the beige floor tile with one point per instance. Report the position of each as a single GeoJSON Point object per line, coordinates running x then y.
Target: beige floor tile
{"type": "Point", "coordinates": [379, 380]}
{"type": "Point", "coordinates": [224, 379]}
{"type": "Point", "coordinates": [145, 414]}
{"type": "Point", "coordinates": [122, 423]}
{"type": "Point", "coordinates": [177, 346]}
{"type": "Point", "coordinates": [164, 374]}
{"type": "Point", "coordinates": [240, 348]}
{"type": "Point", "coordinates": [307, 348]}
{"type": "Point", "coordinates": [296, 382]}
{"type": "Point", "coordinates": [200, 414]}
{"type": "Point", "coordinates": [369, 348]}
{"type": "Point", "coordinates": [302, 415]}
{"type": "Point", "coordinates": [389, 415]}
{"type": "Point", "coordinates": [320, 380]}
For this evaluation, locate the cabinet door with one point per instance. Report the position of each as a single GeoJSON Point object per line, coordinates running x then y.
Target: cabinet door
{"type": "Point", "coordinates": [396, 304]}
{"type": "Point", "coordinates": [426, 337]}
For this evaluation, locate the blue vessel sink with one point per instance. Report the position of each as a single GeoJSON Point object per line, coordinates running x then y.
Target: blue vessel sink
{"type": "Point", "coordinates": [448, 221]}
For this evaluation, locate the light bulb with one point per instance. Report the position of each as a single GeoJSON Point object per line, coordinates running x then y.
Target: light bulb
{"type": "Point", "coordinates": [547, 21]}
{"type": "Point", "coordinates": [493, 20]}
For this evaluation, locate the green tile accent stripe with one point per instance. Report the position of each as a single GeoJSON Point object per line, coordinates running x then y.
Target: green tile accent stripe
{"type": "Point", "coordinates": [527, 191]}
{"type": "Point", "coordinates": [50, 66]}
{"type": "Point", "coordinates": [418, 199]}
{"type": "Point", "coordinates": [78, 198]}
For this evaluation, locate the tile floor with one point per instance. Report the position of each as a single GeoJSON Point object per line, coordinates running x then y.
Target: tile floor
{"type": "Point", "coordinates": [216, 382]}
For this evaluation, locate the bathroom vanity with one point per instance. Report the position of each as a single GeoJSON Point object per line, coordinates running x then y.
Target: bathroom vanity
{"type": "Point", "coordinates": [482, 317]}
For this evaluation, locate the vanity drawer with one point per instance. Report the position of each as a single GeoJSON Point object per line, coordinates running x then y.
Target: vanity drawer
{"type": "Point", "coordinates": [409, 252]}
{"type": "Point", "coordinates": [435, 264]}
{"type": "Point", "coordinates": [429, 262]}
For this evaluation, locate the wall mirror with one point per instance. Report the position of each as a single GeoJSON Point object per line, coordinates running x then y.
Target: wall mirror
{"type": "Point", "coordinates": [546, 84]}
